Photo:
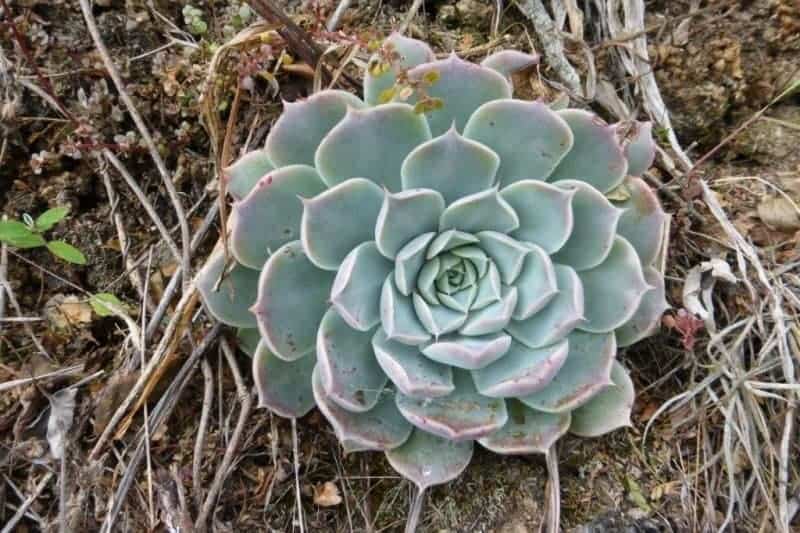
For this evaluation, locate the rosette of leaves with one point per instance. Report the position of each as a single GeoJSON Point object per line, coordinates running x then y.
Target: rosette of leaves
{"type": "Point", "coordinates": [441, 264]}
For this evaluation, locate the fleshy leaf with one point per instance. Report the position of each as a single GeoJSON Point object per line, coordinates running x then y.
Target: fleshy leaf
{"type": "Point", "coordinates": [527, 431]}
{"type": "Point", "coordinates": [380, 77]}
{"type": "Point", "coordinates": [462, 415]}
{"type": "Point", "coordinates": [380, 428]}
{"type": "Point", "coordinates": [521, 371]}
{"type": "Point", "coordinates": [593, 230]}
{"type": "Point", "coordinates": [236, 292]}
{"type": "Point", "coordinates": [339, 219]}
{"type": "Point", "coordinates": [452, 165]}
{"type": "Point", "coordinates": [545, 213]}
{"type": "Point", "coordinates": [371, 143]}
{"type": "Point", "coordinates": [463, 88]}
{"type": "Point", "coordinates": [292, 298]}
{"type": "Point", "coordinates": [469, 353]}
{"type": "Point", "coordinates": [608, 410]}
{"type": "Point", "coordinates": [613, 289]}
{"type": "Point", "coordinates": [507, 62]}
{"type": "Point", "coordinates": [284, 387]}
{"type": "Point", "coordinates": [406, 215]}
{"type": "Point", "coordinates": [494, 317]}
{"type": "Point", "coordinates": [294, 138]}
{"type": "Point", "coordinates": [409, 261]}
{"type": "Point", "coordinates": [411, 372]}
{"type": "Point", "coordinates": [429, 460]}
{"type": "Point", "coordinates": [482, 211]}
{"type": "Point", "coordinates": [356, 292]}
{"type": "Point", "coordinates": [247, 340]}
{"type": "Point", "coordinates": [647, 318]}
{"type": "Point", "coordinates": [242, 176]}
{"type": "Point", "coordinates": [437, 319]}
{"type": "Point", "coordinates": [269, 216]}
{"type": "Point", "coordinates": [476, 256]}
{"type": "Point", "coordinates": [586, 371]}
{"type": "Point", "coordinates": [447, 240]}
{"type": "Point", "coordinates": [640, 150]}
{"type": "Point", "coordinates": [350, 374]}
{"type": "Point", "coordinates": [596, 156]}
{"type": "Point", "coordinates": [489, 289]}
{"type": "Point", "coordinates": [508, 254]}
{"type": "Point", "coordinates": [537, 283]}
{"type": "Point", "coordinates": [529, 137]}
{"type": "Point", "coordinates": [398, 317]}
{"type": "Point", "coordinates": [558, 318]}
{"type": "Point", "coordinates": [643, 221]}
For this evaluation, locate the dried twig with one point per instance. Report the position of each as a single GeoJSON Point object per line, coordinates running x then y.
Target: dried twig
{"type": "Point", "coordinates": [410, 14]}
{"type": "Point", "coordinates": [336, 17]}
{"type": "Point", "coordinates": [11, 524]}
{"type": "Point", "coordinates": [200, 442]}
{"type": "Point", "coordinates": [296, 460]}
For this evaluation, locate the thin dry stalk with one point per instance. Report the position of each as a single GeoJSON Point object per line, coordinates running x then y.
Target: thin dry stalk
{"type": "Point", "coordinates": [23, 508]}
{"type": "Point", "coordinates": [296, 458]}
{"type": "Point", "coordinates": [200, 442]}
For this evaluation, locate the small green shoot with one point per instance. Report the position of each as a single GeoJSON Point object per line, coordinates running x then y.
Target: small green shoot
{"type": "Point", "coordinates": [28, 234]}
{"type": "Point", "coordinates": [98, 302]}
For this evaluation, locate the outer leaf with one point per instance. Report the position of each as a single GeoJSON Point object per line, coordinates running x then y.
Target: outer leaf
{"type": "Point", "coordinates": [404, 216]}
{"type": "Point", "coordinates": [371, 143]}
{"type": "Point", "coordinates": [269, 216]}
{"type": "Point", "coordinates": [380, 428]}
{"type": "Point", "coordinates": [527, 431]}
{"type": "Point", "coordinates": [398, 317]}
{"type": "Point", "coordinates": [411, 372]}
{"type": "Point", "coordinates": [643, 221]}
{"type": "Point", "coordinates": [586, 371]}
{"type": "Point", "coordinates": [647, 318]}
{"type": "Point", "coordinates": [356, 292]}
{"type": "Point", "coordinates": [522, 371]}
{"type": "Point", "coordinates": [469, 353]}
{"type": "Point", "coordinates": [463, 88]}
{"type": "Point", "coordinates": [507, 62]}
{"type": "Point", "coordinates": [640, 150]}
{"type": "Point", "coordinates": [50, 218]}
{"type": "Point", "coordinates": [297, 134]}
{"type": "Point", "coordinates": [452, 165]}
{"type": "Point", "coordinates": [339, 219]}
{"type": "Point", "coordinates": [236, 293]}
{"type": "Point", "coordinates": [284, 387]}
{"type": "Point", "coordinates": [536, 283]}
{"type": "Point", "coordinates": [462, 415]}
{"type": "Point", "coordinates": [248, 340]}
{"type": "Point", "coordinates": [613, 289]}
{"type": "Point", "coordinates": [607, 410]}
{"type": "Point", "coordinates": [18, 235]}
{"type": "Point", "coordinates": [545, 213]}
{"type": "Point", "coordinates": [410, 52]}
{"type": "Point", "coordinates": [292, 298]}
{"type": "Point", "coordinates": [596, 156]}
{"type": "Point", "coordinates": [482, 211]}
{"type": "Point", "coordinates": [529, 137]}
{"type": "Point", "coordinates": [350, 374]}
{"type": "Point", "coordinates": [245, 172]}
{"type": "Point", "coordinates": [429, 460]}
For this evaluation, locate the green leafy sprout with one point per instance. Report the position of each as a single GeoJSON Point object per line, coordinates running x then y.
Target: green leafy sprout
{"type": "Point", "coordinates": [28, 233]}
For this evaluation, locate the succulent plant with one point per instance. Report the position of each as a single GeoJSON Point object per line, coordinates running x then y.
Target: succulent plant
{"type": "Point", "coordinates": [440, 263]}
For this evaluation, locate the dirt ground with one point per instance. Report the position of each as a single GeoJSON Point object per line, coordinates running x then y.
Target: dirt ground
{"type": "Point", "coordinates": [715, 68]}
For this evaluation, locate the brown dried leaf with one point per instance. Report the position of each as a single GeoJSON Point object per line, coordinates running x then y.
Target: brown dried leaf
{"type": "Point", "coordinates": [327, 494]}
{"type": "Point", "coordinates": [111, 397]}
{"type": "Point", "coordinates": [64, 311]}
{"type": "Point", "coordinates": [779, 213]}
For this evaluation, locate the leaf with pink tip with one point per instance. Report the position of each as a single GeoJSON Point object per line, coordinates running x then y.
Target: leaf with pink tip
{"type": "Point", "coordinates": [507, 62]}
{"type": "Point", "coordinates": [411, 372]}
{"type": "Point", "coordinates": [586, 372]}
{"type": "Point", "coordinates": [647, 318]}
{"type": "Point", "coordinates": [404, 216]}
{"type": "Point", "coordinates": [643, 221]}
{"type": "Point", "coordinates": [640, 149]}
{"type": "Point", "coordinates": [527, 431]}
{"type": "Point", "coordinates": [356, 292]}
{"type": "Point", "coordinates": [463, 88]}
{"type": "Point", "coordinates": [269, 216]}
{"type": "Point", "coordinates": [452, 165]}
{"type": "Point", "coordinates": [380, 428]}
{"type": "Point", "coordinates": [608, 410]}
{"type": "Point", "coordinates": [371, 143]}
{"type": "Point", "coordinates": [292, 298]}
{"type": "Point", "coordinates": [409, 53]}
{"type": "Point", "coordinates": [521, 371]}
{"type": "Point", "coordinates": [545, 213]}
{"type": "Point", "coordinates": [596, 156]}
{"type": "Point", "coordinates": [482, 211]}
{"type": "Point", "coordinates": [529, 137]}
{"type": "Point", "coordinates": [350, 374]}
{"type": "Point", "coordinates": [242, 175]}
{"type": "Point", "coordinates": [469, 353]}
{"type": "Point", "coordinates": [593, 230]}
{"type": "Point", "coordinates": [429, 460]}
{"type": "Point", "coordinates": [613, 289]}
{"type": "Point", "coordinates": [558, 318]}
{"type": "Point", "coordinates": [339, 219]}
{"type": "Point", "coordinates": [295, 137]}
{"type": "Point", "coordinates": [228, 301]}
{"type": "Point", "coordinates": [462, 415]}
{"type": "Point", "coordinates": [283, 387]}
